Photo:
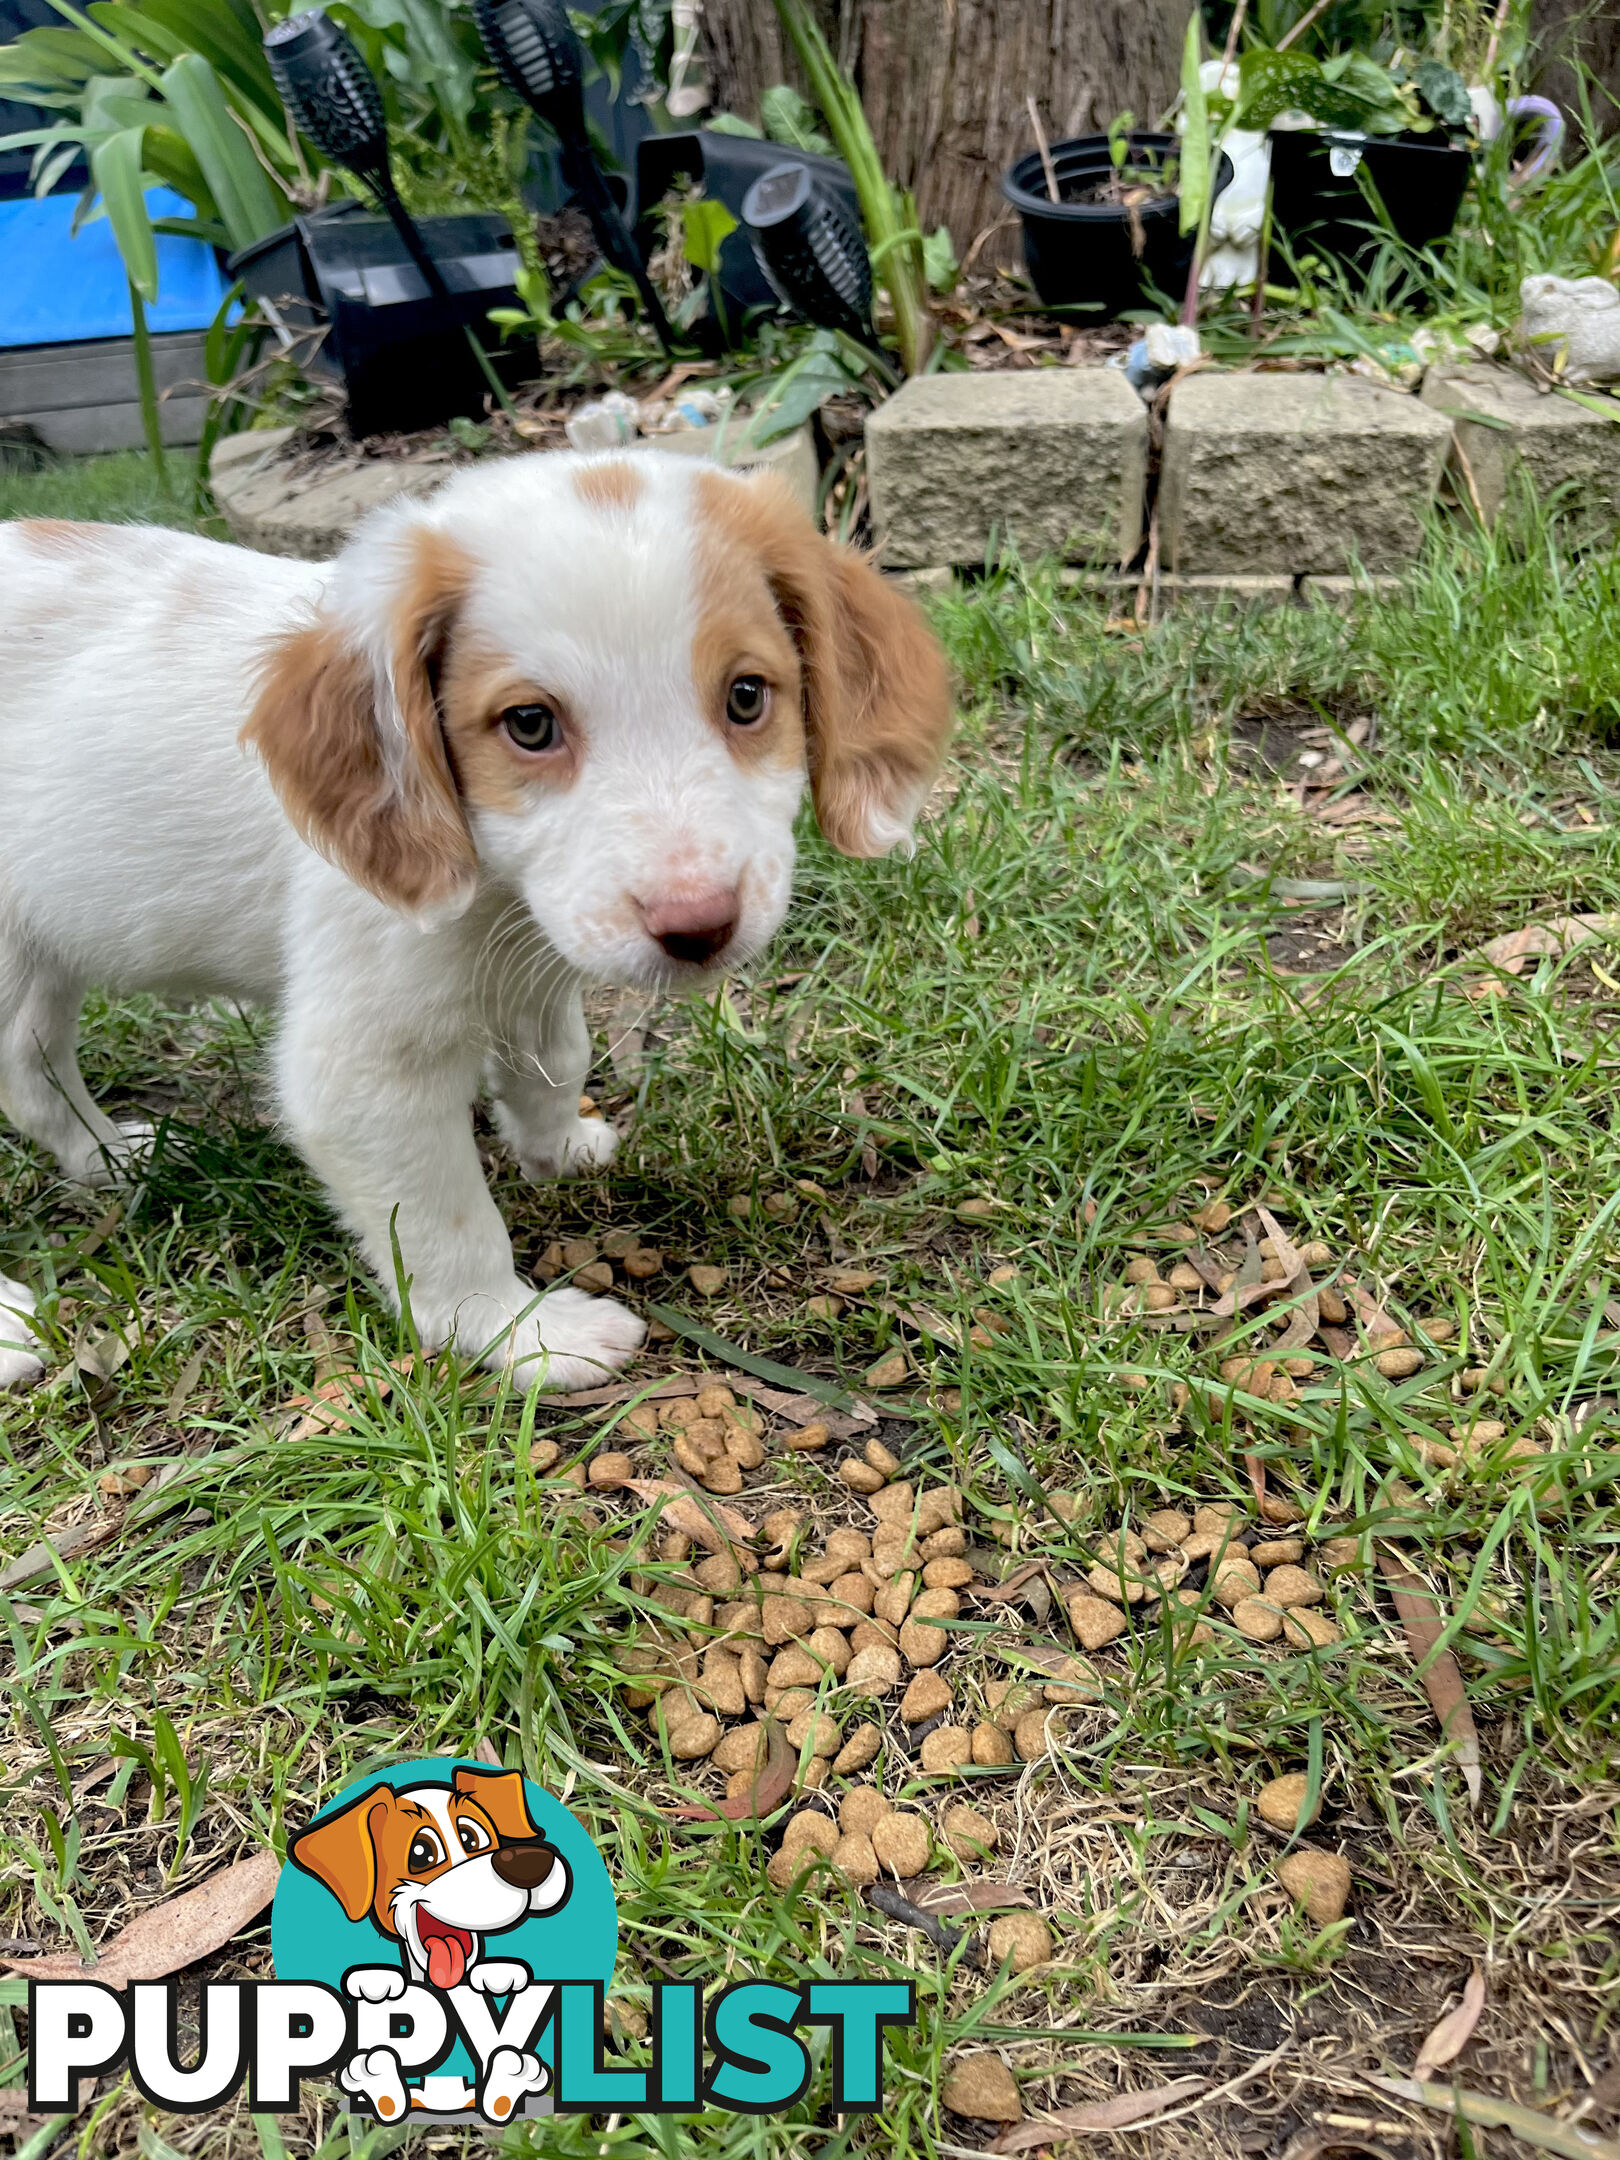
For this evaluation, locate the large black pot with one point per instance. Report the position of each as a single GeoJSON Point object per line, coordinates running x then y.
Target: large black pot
{"type": "Point", "coordinates": [1419, 179]}
{"type": "Point", "coordinates": [1080, 255]}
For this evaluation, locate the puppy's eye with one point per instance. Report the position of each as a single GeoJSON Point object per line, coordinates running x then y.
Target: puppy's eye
{"type": "Point", "coordinates": [747, 699]}
{"type": "Point", "coordinates": [473, 1836]}
{"type": "Point", "coordinates": [425, 1852]}
{"type": "Point", "coordinates": [531, 727]}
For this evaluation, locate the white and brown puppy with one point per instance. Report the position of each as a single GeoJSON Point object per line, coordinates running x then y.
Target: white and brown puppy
{"type": "Point", "coordinates": [550, 727]}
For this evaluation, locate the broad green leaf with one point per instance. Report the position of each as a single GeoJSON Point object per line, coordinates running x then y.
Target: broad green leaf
{"type": "Point", "coordinates": [53, 59]}
{"type": "Point", "coordinates": [115, 167]}
{"type": "Point", "coordinates": [1445, 93]}
{"type": "Point", "coordinates": [1195, 129]}
{"type": "Point", "coordinates": [1270, 83]}
{"type": "Point", "coordinates": [939, 260]}
{"type": "Point", "coordinates": [705, 227]}
{"type": "Point", "coordinates": [727, 123]}
{"type": "Point", "coordinates": [247, 206]}
{"type": "Point", "coordinates": [791, 119]}
{"type": "Point", "coordinates": [799, 391]}
{"type": "Point", "coordinates": [201, 26]}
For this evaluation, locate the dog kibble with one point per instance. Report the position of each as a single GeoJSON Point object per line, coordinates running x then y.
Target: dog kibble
{"type": "Point", "coordinates": [851, 1595]}
{"type": "Point", "coordinates": [981, 2086]}
{"type": "Point", "coordinates": [889, 1372]}
{"type": "Point", "coordinates": [810, 1827]}
{"type": "Point", "coordinates": [707, 1281]}
{"type": "Point", "coordinates": [1094, 1620]}
{"type": "Point", "coordinates": [1122, 1586]}
{"type": "Point", "coordinates": [946, 1749]}
{"type": "Point", "coordinates": [723, 1476]}
{"type": "Point", "coordinates": [860, 1811]}
{"type": "Point", "coordinates": [926, 1695]}
{"type": "Point", "coordinates": [860, 1476]}
{"type": "Point", "coordinates": [643, 1263]}
{"type": "Point", "coordinates": [597, 1276]}
{"type": "Point", "coordinates": [751, 1665]}
{"type": "Point", "coordinates": [865, 1633]}
{"type": "Point", "coordinates": [608, 1472]}
{"type": "Point", "coordinates": [805, 1439]}
{"type": "Point", "coordinates": [1293, 1586]}
{"type": "Point", "coordinates": [741, 1749]}
{"type": "Point", "coordinates": [1031, 1736]}
{"type": "Point", "coordinates": [1233, 1579]}
{"type": "Point", "coordinates": [1398, 1364]}
{"type": "Point", "coordinates": [1010, 1699]}
{"type": "Point", "coordinates": [722, 1682]}
{"type": "Point", "coordinates": [1165, 1529]}
{"type": "Point", "coordinates": [824, 1733]}
{"type": "Point", "coordinates": [992, 1749]}
{"type": "Point", "coordinates": [947, 1574]}
{"type": "Point", "coordinates": [855, 1860]}
{"type": "Point", "coordinates": [902, 1843]}
{"type": "Point", "coordinates": [895, 1505]}
{"type": "Point", "coordinates": [1257, 1620]}
{"type": "Point", "coordinates": [1332, 1307]}
{"type": "Point", "coordinates": [1319, 1880]}
{"type": "Point", "coordinates": [1022, 1937]}
{"type": "Point", "coordinates": [796, 1666]}
{"type": "Point", "coordinates": [832, 1647]}
{"type": "Point", "coordinates": [696, 1736]}
{"type": "Point", "coordinates": [784, 1619]}
{"type": "Point", "coordinates": [1279, 1802]}
{"type": "Point", "coordinates": [873, 1671]}
{"type": "Point", "coordinates": [1304, 1629]}
{"type": "Point", "coordinates": [578, 1253]}
{"type": "Point", "coordinates": [1277, 1552]}
{"type": "Point", "coordinates": [862, 1747]}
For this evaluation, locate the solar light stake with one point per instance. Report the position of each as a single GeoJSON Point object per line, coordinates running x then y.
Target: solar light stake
{"type": "Point", "coordinates": [332, 98]}
{"type": "Point", "coordinates": [812, 251]}
{"type": "Point", "coordinates": [538, 57]}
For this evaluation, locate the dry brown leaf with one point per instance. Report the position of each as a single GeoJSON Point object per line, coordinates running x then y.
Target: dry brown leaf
{"type": "Point", "coordinates": [486, 1751]}
{"type": "Point", "coordinates": [1454, 2031]}
{"type": "Point", "coordinates": [1116, 2114]}
{"type": "Point", "coordinates": [1306, 1317]}
{"type": "Point", "coordinates": [1537, 941]}
{"type": "Point", "coordinates": [80, 1537]}
{"type": "Point", "coordinates": [708, 1520]}
{"type": "Point", "coordinates": [172, 1935]}
{"type": "Point", "coordinates": [1527, 2123]}
{"type": "Point", "coordinates": [772, 1784]}
{"type": "Point", "coordinates": [950, 1900]}
{"type": "Point", "coordinates": [1424, 1620]}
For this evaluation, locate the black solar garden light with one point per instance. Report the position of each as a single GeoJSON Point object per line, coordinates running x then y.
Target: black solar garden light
{"type": "Point", "coordinates": [537, 56]}
{"type": "Point", "coordinates": [811, 250]}
{"type": "Point", "coordinates": [330, 93]}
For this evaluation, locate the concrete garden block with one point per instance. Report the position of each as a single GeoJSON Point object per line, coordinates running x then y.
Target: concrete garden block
{"type": "Point", "coordinates": [1346, 593]}
{"type": "Point", "coordinates": [1053, 460]}
{"type": "Point", "coordinates": [270, 507]}
{"type": "Point", "coordinates": [1505, 427]}
{"type": "Point", "coordinates": [1226, 595]}
{"type": "Point", "coordinates": [1278, 475]}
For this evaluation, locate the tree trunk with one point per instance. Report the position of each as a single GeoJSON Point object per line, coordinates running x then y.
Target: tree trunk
{"type": "Point", "coordinates": [1575, 39]}
{"type": "Point", "coordinates": [944, 82]}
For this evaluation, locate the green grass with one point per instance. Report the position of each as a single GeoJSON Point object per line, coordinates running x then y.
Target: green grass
{"type": "Point", "coordinates": [1065, 1002]}
{"type": "Point", "coordinates": [120, 489]}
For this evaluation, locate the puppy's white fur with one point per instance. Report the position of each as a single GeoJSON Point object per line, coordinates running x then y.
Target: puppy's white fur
{"type": "Point", "coordinates": [226, 774]}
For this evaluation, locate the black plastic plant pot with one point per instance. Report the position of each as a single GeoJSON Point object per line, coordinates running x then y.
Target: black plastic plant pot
{"type": "Point", "coordinates": [1319, 202]}
{"type": "Point", "coordinates": [1091, 258]}
{"type": "Point", "coordinates": [726, 167]}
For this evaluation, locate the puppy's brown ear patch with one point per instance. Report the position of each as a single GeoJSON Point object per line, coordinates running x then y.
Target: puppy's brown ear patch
{"type": "Point", "coordinates": [500, 1794]}
{"type": "Point", "coordinates": [341, 1851]}
{"type": "Point", "coordinates": [877, 695]}
{"type": "Point", "coordinates": [361, 766]}
{"type": "Point", "coordinates": [614, 486]}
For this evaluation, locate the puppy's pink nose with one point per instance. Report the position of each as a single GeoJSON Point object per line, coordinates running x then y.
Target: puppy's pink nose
{"type": "Point", "coordinates": [695, 927]}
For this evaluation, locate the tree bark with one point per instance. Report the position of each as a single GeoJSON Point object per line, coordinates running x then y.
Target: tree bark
{"type": "Point", "coordinates": [1576, 40]}
{"type": "Point", "coordinates": [944, 82]}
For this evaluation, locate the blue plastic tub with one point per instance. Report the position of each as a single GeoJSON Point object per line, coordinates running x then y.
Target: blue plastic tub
{"type": "Point", "coordinates": [58, 287]}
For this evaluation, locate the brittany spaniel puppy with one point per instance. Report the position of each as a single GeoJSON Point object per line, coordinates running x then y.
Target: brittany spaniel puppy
{"type": "Point", "coordinates": [548, 728]}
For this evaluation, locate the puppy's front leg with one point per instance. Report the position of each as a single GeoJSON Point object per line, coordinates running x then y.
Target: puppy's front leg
{"type": "Point", "coordinates": [388, 1126]}
{"type": "Point", "coordinates": [536, 1098]}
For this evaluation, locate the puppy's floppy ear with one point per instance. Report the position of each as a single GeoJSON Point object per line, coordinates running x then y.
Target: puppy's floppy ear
{"type": "Point", "coordinates": [347, 722]}
{"type": "Point", "coordinates": [877, 696]}
{"type": "Point", "coordinates": [500, 1794]}
{"type": "Point", "coordinates": [341, 1850]}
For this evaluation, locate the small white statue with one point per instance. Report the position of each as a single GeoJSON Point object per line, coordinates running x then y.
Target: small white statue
{"type": "Point", "coordinates": [1578, 316]}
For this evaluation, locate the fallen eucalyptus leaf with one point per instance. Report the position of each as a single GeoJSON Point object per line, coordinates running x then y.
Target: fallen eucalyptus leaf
{"type": "Point", "coordinates": [1120, 2113]}
{"type": "Point", "coordinates": [1454, 2031]}
{"type": "Point", "coordinates": [1527, 2123]}
{"type": "Point", "coordinates": [175, 1934]}
{"type": "Point", "coordinates": [1424, 1622]}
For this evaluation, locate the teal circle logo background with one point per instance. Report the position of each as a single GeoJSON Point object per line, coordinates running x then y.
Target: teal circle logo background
{"type": "Point", "coordinates": [312, 1938]}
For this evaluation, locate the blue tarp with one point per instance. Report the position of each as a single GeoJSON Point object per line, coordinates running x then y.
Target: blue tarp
{"type": "Point", "coordinates": [58, 288]}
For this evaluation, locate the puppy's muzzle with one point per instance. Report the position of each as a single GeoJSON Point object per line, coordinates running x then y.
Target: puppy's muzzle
{"type": "Point", "coordinates": [525, 1866]}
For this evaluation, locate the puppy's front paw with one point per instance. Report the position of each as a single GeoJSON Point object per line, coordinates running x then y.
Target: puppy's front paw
{"type": "Point", "coordinates": [20, 1364]}
{"type": "Point", "coordinates": [375, 2076]}
{"type": "Point", "coordinates": [114, 1163]}
{"type": "Point", "coordinates": [499, 1976]}
{"type": "Point", "coordinates": [375, 1983]}
{"type": "Point", "coordinates": [573, 1341]}
{"type": "Point", "coordinates": [512, 2075]}
{"type": "Point", "coordinates": [587, 1144]}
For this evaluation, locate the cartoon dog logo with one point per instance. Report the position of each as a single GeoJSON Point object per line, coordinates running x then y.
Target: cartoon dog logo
{"type": "Point", "coordinates": [439, 1869]}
